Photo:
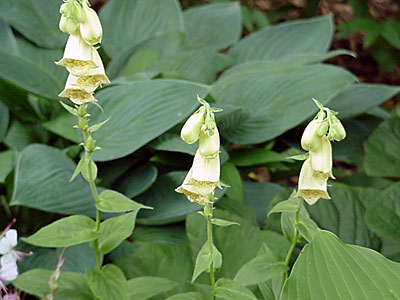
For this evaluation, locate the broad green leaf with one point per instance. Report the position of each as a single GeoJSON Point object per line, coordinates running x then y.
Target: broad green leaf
{"type": "Point", "coordinates": [255, 156]}
{"type": "Point", "coordinates": [6, 164]}
{"type": "Point", "coordinates": [344, 214]}
{"type": "Point", "coordinates": [204, 260]}
{"type": "Point", "coordinates": [237, 244]}
{"type": "Point", "coordinates": [173, 143]}
{"type": "Point", "coordinates": [115, 230]}
{"type": "Point", "coordinates": [390, 32]}
{"type": "Point", "coordinates": [62, 125]}
{"type": "Point", "coordinates": [42, 182]}
{"type": "Point", "coordinates": [137, 58]}
{"type": "Point", "coordinates": [215, 26]}
{"type": "Point", "coordinates": [169, 234]}
{"type": "Point", "coordinates": [275, 100]}
{"type": "Point", "coordinates": [140, 112]}
{"type": "Point", "coordinates": [289, 205]}
{"type": "Point", "coordinates": [173, 208]}
{"type": "Point", "coordinates": [108, 284]}
{"type": "Point", "coordinates": [187, 296]}
{"type": "Point", "coordinates": [20, 135]}
{"type": "Point", "coordinates": [71, 285]}
{"type": "Point", "coordinates": [283, 40]}
{"type": "Point", "coordinates": [173, 262]}
{"type": "Point", "coordinates": [7, 38]}
{"type": "Point", "coordinates": [232, 290]}
{"type": "Point", "coordinates": [383, 215]}
{"type": "Point", "coordinates": [137, 181]}
{"type": "Point", "coordinates": [382, 156]}
{"type": "Point", "coordinates": [260, 269]}
{"type": "Point", "coordinates": [231, 176]}
{"type": "Point", "coordinates": [360, 98]}
{"type": "Point", "coordinates": [77, 258]}
{"type": "Point", "coordinates": [258, 195]}
{"type": "Point", "coordinates": [36, 20]}
{"type": "Point", "coordinates": [145, 287]}
{"type": "Point", "coordinates": [149, 19]}
{"type": "Point", "coordinates": [112, 201]}
{"type": "Point", "coordinates": [329, 269]}
{"type": "Point", "coordinates": [65, 232]}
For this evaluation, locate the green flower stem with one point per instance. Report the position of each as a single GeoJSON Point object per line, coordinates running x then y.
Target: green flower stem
{"type": "Point", "coordinates": [84, 126]}
{"type": "Point", "coordinates": [208, 208]}
{"type": "Point", "coordinates": [294, 241]}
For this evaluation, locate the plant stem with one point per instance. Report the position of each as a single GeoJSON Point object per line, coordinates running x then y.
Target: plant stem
{"type": "Point", "coordinates": [208, 208]}
{"type": "Point", "coordinates": [86, 134]}
{"type": "Point", "coordinates": [294, 242]}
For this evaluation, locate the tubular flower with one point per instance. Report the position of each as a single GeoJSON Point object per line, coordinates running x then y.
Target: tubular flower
{"type": "Point", "coordinates": [91, 29]}
{"type": "Point", "coordinates": [209, 145]}
{"type": "Point", "coordinates": [77, 93]}
{"type": "Point", "coordinates": [79, 57]}
{"type": "Point", "coordinates": [311, 188]}
{"type": "Point", "coordinates": [191, 130]}
{"type": "Point", "coordinates": [201, 180]}
{"type": "Point", "coordinates": [321, 160]}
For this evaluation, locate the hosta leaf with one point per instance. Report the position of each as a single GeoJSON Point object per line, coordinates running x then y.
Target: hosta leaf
{"type": "Point", "coordinates": [287, 39]}
{"type": "Point", "coordinates": [140, 112]}
{"type": "Point", "coordinates": [149, 19]}
{"type": "Point", "coordinates": [275, 100]}
{"type": "Point", "coordinates": [142, 288]}
{"type": "Point", "coordinates": [216, 25]}
{"type": "Point", "coordinates": [329, 269]}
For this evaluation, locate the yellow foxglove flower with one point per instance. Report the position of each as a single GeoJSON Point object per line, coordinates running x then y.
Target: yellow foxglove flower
{"type": "Point", "coordinates": [94, 77]}
{"type": "Point", "coordinates": [310, 188]}
{"type": "Point", "coordinates": [201, 180]}
{"type": "Point", "coordinates": [76, 93]}
{"type": "Point", "coordinates": [310, 139]}
{"type": "Point", "coordinates": [79, 57]}
{"type": "Point", "coordinates": [336, 130]}
{"type": "Point", "coordinates": [68, 25]}
{"type": "Point", "coordinates": [321, 160]}
{"type": "Point", "coordinates": [91, 29]}
{"type": "Point", "coordinates": [191, 130]}
{"type": "Point", "coordinates": [209, 145]}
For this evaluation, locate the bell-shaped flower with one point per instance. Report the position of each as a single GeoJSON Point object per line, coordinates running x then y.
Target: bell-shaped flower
{"type": "Point", "coordinates": [310, 139]}
{"type": "Point", "coordinates": [201, 180]}
{"type": "Point", "coordinates": [191, 130]}
{"type": "Point", "coordinates": [79, 57]}
{"type": "Point", "coordinates": [68, 25]}
{"type": "Point", "coordinates": [310, 188]}
{"type": "Point", "coordinates": [321, 160]}
{"type": "Point", "coordinates": [76, 93]}
{"type": "Point", "coordinates": [94, 78]}
{"type": "Point", "coordinates": [209, 145]}
{"type": "Point", "coordinates": [91, 29]}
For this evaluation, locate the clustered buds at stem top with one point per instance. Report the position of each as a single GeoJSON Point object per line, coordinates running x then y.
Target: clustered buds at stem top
{"type": "Point", "coordinates": [80, 58]}
{"type": "Point", "coordinates": [317, 168]}
{"type": "Point", "coordinates": [203, 177]}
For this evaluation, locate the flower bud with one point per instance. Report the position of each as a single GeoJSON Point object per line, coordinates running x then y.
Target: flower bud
{"type": "Point", "coordinates": [321, 160]}
{"type": "Point", "coordinates": [336, 130]}
{"type": "Point", "coordinates": [310, 139]}
{"type": "Point", "coordinates": [310, 188]}
{"type": "Point", "coordinates": [67, 25]}
{"type": "Point", "coordinates": [79, 57]}
{"type": "Point", "coordinates": [323, 128]}
{"type": "Point", "coordinates": [91, 29]}
{"type": "Point", "coordinates": [209, 145]}
{"type": "Point", "coordinates": [191, 130]}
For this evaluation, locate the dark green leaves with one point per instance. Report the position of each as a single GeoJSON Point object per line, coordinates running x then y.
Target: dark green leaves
{"type": "Point", "coordinates": [112, 201]}
{"type": "Point", "coordinates": [232, 290]}
{"type": "Point", "coordinates": [65, 232]}
{"type": "Point", "coordinates": [204, 260]}
{"type": "Point", "coordinates": [142, 288]}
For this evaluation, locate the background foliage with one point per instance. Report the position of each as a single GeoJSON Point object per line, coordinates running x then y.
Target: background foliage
{"type": "Point", "coordinates": [263, 75]}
